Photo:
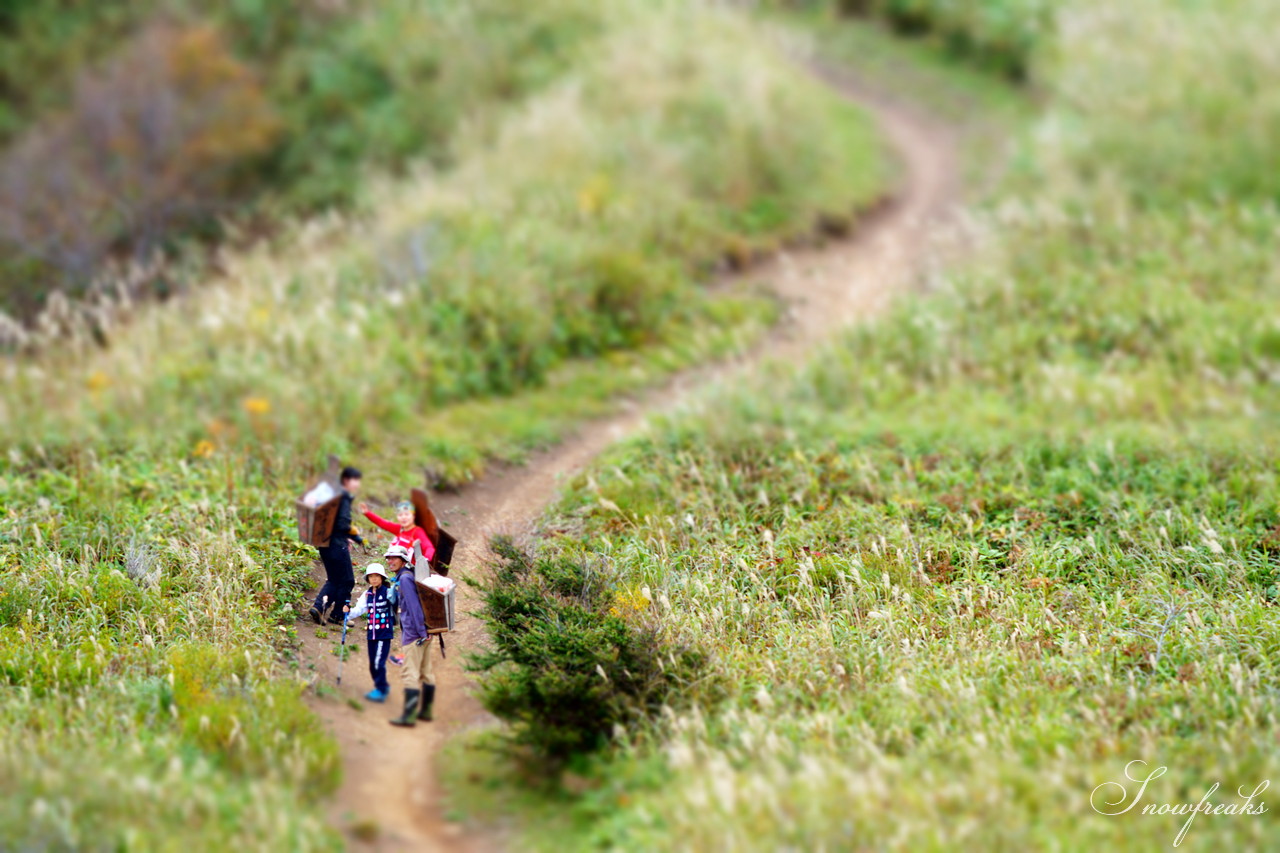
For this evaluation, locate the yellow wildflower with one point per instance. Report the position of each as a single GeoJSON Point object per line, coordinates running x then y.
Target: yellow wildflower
{"type": "Point", "coordinates": [257, 405]}
{"type": "Point", "coordinates": [594, 193]}
{"type": "Point", "coordinates": [97, 380]}
{"type": "Point", "coordinates": [626, 601]}
{"type": "Point", "coordinates": [204, 449]}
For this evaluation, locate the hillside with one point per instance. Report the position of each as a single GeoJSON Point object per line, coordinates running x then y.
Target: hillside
{"type": "Point", "coordinates": [452, 316]}
{"type": "Point", "coordinates": [131, 129]}
{"type": "Point", "coordinates": [942, 586]}
{"type": "Point", "coordinates": [934, 579]}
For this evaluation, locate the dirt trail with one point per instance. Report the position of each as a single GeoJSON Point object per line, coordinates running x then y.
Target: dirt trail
{"type": "Point", "coordinates": [826, 289]}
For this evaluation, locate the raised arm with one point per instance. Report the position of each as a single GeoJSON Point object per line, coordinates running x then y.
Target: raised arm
{"type": "Point", "coordinates": [388, 526]}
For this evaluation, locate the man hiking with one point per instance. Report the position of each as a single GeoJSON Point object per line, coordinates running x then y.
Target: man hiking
{"type": "Point", "coordinates": [416, 675]}
{"type": "Point", "coordinates": [340, 577]}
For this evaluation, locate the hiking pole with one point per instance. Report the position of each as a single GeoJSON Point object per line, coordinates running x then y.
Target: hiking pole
{"type": "Point", "coordinates": [342, 653]}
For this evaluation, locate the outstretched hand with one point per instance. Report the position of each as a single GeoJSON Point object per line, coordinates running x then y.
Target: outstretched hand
{"type": "Point", "coordinates": [364, 507]}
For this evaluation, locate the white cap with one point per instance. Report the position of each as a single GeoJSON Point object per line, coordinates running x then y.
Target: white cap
{"type": "Point", "coordinates": [399, 551]}
{"type": "Point", "coordinates": [376, 569]}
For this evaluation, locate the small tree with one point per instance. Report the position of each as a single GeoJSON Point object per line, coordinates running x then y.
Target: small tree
{"type": "Point", "coordinates": [563, 669]}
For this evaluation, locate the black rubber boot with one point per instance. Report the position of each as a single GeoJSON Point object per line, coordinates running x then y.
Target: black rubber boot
{"type": "Point", "coordinates": [428, 696]}
{"type": "Point", "coordinates": [410, 715]}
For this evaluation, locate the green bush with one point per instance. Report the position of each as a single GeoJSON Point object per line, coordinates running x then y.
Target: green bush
{"type": "Point", "coordinates": [139, 622]}
{"type": "Point", "coordinates": [573, 659]}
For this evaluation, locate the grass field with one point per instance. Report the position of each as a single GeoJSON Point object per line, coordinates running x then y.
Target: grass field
{"type": "Point", "coordinates": [149, 575]}
{"type": "Point", "coordinates": [954, 577]}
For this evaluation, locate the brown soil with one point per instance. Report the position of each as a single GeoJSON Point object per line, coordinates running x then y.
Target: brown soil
{"type": "Point", "coordinates": [390, 798]}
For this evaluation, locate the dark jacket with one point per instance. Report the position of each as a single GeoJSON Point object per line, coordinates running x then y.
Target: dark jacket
{"type": "Point", "coordinates": [342, 524]}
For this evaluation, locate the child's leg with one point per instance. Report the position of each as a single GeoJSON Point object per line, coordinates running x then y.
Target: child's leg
{"type": "Point", "coordinates": [378, 651]}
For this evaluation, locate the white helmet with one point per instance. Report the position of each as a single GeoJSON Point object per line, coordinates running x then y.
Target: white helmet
{"type": "Point", "coordinates": [397, 550]}
{"type": "Point", "coordinates": [375, 569]}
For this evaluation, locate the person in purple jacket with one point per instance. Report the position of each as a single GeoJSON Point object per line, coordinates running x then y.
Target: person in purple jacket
{"type": "Point", "coordinates": [419, 682]}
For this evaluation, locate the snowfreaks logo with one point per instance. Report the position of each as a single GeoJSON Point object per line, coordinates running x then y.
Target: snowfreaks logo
{"type": "Point", "coordinates": [1113, 798]}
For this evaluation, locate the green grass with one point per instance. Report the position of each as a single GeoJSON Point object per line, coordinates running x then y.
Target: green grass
{"type": "Point", "coordinates": [977, 558]}
{"type": "Point", "coordinates": [1005, 38]}
{"type": "Point", "coordinates": [150, 695]}
{"type": "Point", "coordinates": [459, 442]}
{"type": "Point", "coordinates": [141, 609]}
{"type": "Point", "coordinates": [489, 787]}
{"type": "Point", "coordinates": [986, 112]}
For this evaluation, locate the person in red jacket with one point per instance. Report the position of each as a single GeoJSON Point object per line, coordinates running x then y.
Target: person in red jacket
{"type": "Point", "coordinates": [406, 532]}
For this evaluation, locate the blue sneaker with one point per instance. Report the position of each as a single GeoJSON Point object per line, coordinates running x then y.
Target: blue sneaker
{"type": "Point", "coordinates": [376, 695]}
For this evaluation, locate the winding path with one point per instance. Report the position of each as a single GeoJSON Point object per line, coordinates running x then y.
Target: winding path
{"type": "Point", "coordinates": [826, 289]}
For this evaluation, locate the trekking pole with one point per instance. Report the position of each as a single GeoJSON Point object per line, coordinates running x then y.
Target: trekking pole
{"type": "Point", "coordinates": [342, 653]}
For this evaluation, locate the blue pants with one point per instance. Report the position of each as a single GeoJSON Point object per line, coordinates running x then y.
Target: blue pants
{"type": "Point", "coordinates": [378, 652]}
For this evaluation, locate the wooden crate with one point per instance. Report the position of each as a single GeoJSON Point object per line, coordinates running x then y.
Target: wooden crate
{"type": "Point", "coordinates": [426, 519]}
{"type": "Point", "coordinates": [445, 543]}
{"type": "Point", "coordinates": [315, 523]}
{"type": "Point", "coordinates": [437, 608]}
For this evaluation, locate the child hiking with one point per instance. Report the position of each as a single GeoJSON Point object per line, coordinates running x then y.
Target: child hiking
{"type": "Point", "coordinates": [378, 603]}
{"type": "Point", "coordinates": [416, 675]}
{"type": "Point", "coordinates": [406, 531]}
{"type": "Point", "coordinates": [340, 577]}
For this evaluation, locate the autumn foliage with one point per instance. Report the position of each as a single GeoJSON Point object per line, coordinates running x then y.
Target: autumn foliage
{"type": "Point", "coordinates": [152, 139]}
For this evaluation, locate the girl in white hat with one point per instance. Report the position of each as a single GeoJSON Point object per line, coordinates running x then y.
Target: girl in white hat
{"type": "Point", "coordinates": [378, 602]}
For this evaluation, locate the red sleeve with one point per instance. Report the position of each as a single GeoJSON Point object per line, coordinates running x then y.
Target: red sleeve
{"type": "Point", "coordinates": [428, 550]}
{"type": "Point", "coordinates": [384, 524]}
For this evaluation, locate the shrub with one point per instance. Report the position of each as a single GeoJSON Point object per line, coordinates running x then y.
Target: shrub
{"type": "Point", "coordinates": [567, 667]}
{"type": "Point", "coordinates": [351, 88]}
